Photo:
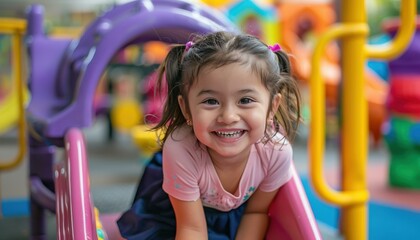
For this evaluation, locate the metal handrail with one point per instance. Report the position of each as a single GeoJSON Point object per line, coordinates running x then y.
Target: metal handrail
{"type": "Point", "coordinates": [317, 124]}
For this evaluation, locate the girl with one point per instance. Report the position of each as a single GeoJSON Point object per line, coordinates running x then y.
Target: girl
{"type": "Point", "coordinates": [231, 109]}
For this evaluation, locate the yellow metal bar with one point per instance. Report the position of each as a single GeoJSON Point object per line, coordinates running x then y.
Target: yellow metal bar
{"type": "Point", "coordinates": [317, 124]}
{"type": "Point", "coordinates": [12, 25]}
{"type": "Point", "coordinates": [17, 42]}
{"type": "Point", "coordinates": [354, 122]}
{"type": "Point", "coordinates": [403, 37]}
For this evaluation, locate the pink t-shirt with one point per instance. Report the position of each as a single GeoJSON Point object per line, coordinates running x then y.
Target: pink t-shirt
{"type": "Point", "coordinates": [189, 174]}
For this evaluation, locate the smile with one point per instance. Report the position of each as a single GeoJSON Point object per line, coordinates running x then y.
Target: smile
{"type": "Point", "coordinates": [232, 134]}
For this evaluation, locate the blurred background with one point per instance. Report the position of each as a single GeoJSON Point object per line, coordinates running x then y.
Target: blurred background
{"type": "Point", "coordinates": [116, 145]}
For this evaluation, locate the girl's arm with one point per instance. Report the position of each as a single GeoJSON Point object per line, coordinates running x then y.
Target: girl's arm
{"type": "Point", "coordinates": [190, 219]}
{"type": "Point", "coordinates": [255, 221]}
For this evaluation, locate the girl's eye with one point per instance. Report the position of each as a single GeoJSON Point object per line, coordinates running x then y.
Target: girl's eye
{"type": "Point", "coordinates": [211, 101]}
{"type": "Point", "coordinates": [246, 100]}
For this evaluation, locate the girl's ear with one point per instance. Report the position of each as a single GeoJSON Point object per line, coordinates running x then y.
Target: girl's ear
{"type": "Point", "coordinates": [183, 106]}
{"type": "Point", "coordinates": [275, 105]}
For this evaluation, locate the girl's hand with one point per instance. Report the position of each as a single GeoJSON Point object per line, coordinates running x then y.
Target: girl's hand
{"type": "Point", "coordinates": [190, 220]}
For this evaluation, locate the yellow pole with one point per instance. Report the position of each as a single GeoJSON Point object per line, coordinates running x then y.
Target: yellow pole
{"type": "Point", "coordinates": [354, 131]}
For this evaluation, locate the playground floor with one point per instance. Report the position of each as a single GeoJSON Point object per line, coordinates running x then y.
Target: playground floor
{"type": "Point", "coordinates": [115, 168]}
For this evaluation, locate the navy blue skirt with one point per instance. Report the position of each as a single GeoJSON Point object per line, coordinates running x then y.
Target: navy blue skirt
{"type": "Point", "coordinates": [152, 217]}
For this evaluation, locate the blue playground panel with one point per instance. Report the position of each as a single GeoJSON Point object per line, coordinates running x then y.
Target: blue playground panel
{"type": "Point", "coordinates": [14, 207]}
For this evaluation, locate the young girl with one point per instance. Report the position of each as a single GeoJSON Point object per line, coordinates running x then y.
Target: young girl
{"type": "Point", "coordinates": [231, 109]}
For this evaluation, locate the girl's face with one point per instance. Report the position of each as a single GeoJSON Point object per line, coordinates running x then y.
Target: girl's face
{"type": "Point", "coordinates": [228, 109]}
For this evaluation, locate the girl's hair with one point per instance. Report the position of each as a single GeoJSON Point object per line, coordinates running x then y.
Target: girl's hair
{"type": "Point", "coordinates": [182, 67]}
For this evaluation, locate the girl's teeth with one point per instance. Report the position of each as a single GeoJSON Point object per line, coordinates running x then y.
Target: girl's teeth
{"type": "Point", "coordinates": [228, 134]}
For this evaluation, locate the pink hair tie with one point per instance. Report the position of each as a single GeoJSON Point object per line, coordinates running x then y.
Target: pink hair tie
{"type": "Point", "coordinates": [188, 45]}
{"type": "Point", "coordinates": [275, 48]}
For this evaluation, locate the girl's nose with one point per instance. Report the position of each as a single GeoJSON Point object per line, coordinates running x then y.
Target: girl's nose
{"type": "Point", "coordinates": [228, 115]}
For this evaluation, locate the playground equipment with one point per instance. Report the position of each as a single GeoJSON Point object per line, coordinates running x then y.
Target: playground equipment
{"type": "Point", "coordinates": [63, 78]}
{"type": "Point", "coordinates": [353, 32]}
{"type": "Point", "coordinates": [12, 109]}
{"type": "Point", "coordinates": [302, 24]}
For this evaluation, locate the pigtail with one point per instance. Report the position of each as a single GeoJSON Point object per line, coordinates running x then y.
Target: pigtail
{"type": "Point", "coordinates": [288, 116]}
{"type": "Point", "coordinates": [171, 68]}
{"type": "Point", "coordinates": [284, 63]}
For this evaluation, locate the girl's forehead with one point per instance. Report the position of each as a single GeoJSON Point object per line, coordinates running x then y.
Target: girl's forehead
{"type": "Point", "coordinates": [237, 65]}
{"type": "Point", "coordinates": [226, 71]}
{"type": "Point", "coordinates": [230, 76]}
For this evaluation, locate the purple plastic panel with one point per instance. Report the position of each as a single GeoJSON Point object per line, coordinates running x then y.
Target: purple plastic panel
{"type": "Point", "coordinates": [45, 58]}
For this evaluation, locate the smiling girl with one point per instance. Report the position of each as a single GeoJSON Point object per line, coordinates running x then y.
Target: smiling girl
{"type": "Point", "coordinates": [232, 108]}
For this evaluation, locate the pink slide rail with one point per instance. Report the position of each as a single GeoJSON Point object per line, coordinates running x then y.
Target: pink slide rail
{"type": "Point", "coordinates": [74, 207]}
